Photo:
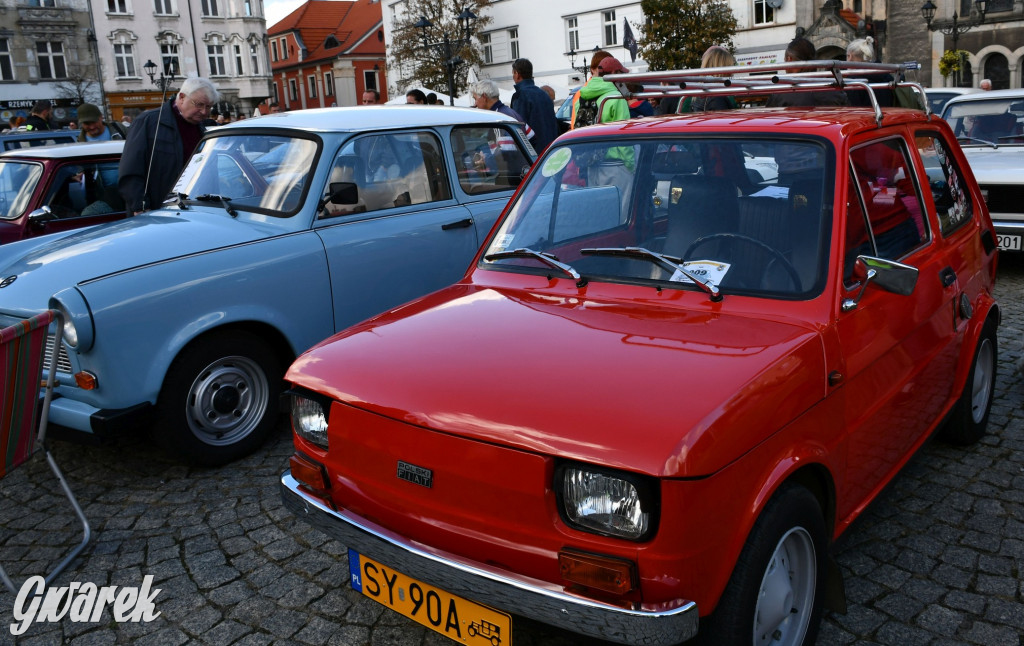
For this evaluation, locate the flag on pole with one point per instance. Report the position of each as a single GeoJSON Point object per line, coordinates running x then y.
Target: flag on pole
{"type": "Point", "coordinates": [628, 40]}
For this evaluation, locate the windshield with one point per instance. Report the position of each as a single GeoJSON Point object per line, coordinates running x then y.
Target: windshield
{"type": "Point", "coordinates": [742, 215]}
{"type": "Point", "coordinates": [265, 173]}
{"type": "Point", "coordinates": [992, 121]}
{"type": "Point", "coordinates": [18, 181]}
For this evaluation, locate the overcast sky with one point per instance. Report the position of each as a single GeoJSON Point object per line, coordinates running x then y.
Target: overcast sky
{"type": "Point", "coordinates": [278, 9]}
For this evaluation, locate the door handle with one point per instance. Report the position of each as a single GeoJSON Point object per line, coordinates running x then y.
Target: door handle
{"type": "Point", "coordinates": [947, 276]}
{"type": "Point", "coordinates": [461, 224]}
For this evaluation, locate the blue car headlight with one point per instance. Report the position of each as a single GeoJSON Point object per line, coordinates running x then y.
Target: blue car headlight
{"type": "Point", "coordinates": [78, 325]}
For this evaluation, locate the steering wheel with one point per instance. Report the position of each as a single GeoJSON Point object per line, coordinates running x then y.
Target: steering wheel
{"type": "Point", "coordinates": [794, 277]}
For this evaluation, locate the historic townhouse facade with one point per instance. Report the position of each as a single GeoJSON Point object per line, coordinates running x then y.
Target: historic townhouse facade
{"type": "Point", "coordinates": [223, 40]}
{"type": "Point", "coordinates": [47, 51]}
{"type": "Point", "coordinates": [327, 53]}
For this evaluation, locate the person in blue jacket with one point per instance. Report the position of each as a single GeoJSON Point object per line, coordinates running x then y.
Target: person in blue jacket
{"type": "Point", "coordinates": [534, 105]}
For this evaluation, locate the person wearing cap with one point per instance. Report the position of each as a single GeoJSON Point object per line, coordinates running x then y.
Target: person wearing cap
{"type": "Point", "coordinates": [534, 105]}
{"type": "Point", "coordinates": [597, 88]}
{"type": "Point", "coordinates": [595, 61]}
{"type": "Point", "coordinates": [39, 118]}
{"type": "Point", "coordinates": [93, 128]}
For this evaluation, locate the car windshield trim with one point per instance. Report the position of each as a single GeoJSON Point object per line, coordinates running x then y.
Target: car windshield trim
{"type": "Point", "coordinates": [19, 179]}
{"type": "Point", "coordinates": [621, 209]}
{"type": "Point", "coordinates": [260, 170]}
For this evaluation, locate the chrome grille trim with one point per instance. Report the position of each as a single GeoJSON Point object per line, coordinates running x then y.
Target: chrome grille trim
{"type": "Point", "coordinates": [63, 360]}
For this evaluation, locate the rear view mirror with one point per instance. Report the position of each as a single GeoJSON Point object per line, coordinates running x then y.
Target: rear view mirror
{"type": "Point", "coordinates": [889, 275]}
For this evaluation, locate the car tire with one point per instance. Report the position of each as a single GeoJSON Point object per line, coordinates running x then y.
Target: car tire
{"type": "Point", "coordinates": [969, 418]}
{"type": "Point", "coordinates": [776, 589]}
{"type": "Point", "coordinates": [220, 398]}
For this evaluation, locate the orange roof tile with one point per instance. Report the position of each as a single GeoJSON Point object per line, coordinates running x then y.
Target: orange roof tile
{"type": "Point", "coordinates": [350, 21]}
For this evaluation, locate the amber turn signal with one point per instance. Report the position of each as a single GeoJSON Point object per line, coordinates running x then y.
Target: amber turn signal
{"type": "Point", "coordinates": [613, 575]}
{"type": "Point", "coordinates": [308, 472]}
{"type": "Point", "coordinates": [85, 380]}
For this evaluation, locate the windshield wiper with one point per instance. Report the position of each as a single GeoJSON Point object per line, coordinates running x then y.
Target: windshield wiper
{"type": "Point", "coordinates": [670, 263]}
{"type": "Point", "coordinates": [546, 258]}
{"type": "Point", "coordinates": [224, 202]}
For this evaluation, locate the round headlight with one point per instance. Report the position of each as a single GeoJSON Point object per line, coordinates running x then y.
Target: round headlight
{"type": "Point", "coordinates": [309, 420]}
{"type": "Point", "coordinates": [70, 331]}
{"type": "Point", "coordinates": [606, 502]}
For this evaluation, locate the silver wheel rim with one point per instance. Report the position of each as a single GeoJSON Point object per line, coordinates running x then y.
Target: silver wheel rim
{"type": "Point", "coordinates": [786, 595]}
{"type": "Point", "coordinates": [981, 387]}
{"type": "Point", "coordinates": [227, 400]}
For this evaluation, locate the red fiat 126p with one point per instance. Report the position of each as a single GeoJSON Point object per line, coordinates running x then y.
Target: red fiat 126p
{"type": "Point", "coordinates": [689, 355]}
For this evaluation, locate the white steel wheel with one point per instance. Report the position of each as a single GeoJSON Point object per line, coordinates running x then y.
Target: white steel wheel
{"type": "Point", "coordinates": [786, 596]}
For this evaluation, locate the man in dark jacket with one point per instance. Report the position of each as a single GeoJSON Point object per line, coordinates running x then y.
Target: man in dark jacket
{"type": "Point", "coordinates": [534, 105]}
{"type": "Point", "coordinates": [160, 143]}
{"type": "Point", "coordinates": [39, 118]}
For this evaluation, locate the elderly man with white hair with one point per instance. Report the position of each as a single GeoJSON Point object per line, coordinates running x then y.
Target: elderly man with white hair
{"type": "Point", "coordinates": [485, 94]}
{"type": "Point", "coordinates": [160, 143]}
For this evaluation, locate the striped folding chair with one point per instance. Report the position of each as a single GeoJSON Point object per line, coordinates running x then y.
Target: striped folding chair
{"type": "Point", "coordinates": [23, 421]}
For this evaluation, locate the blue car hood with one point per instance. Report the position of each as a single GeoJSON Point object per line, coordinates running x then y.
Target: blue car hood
{"type": "Point", "coordinates": [43, 266]}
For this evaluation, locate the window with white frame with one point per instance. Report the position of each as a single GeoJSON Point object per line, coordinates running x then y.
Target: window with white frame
{"type": "Point", "coordinates": [238, 60]}
{"type": "Point", "coordinates": [328, 84]}
{"type": "Point", "coordinates": [124, 60]}
{"type": "Point", "coordinates": [215, 54]}
{"type": "Point", "coordinates": [273, 50]}
{"type": "Point", "coordinates": [311, 86]}
{"type": "Point", "coordinates": [485, 41]}
{"type": "Point", "coordinates": [254, 57]}
{"type": "Point", "coordinates": [210, 8]}
{"type": "Point", "coordinates": [163, 7]}
{"type": "Point", "coordinates": [6, 65]}
{"type": "Point", "coordinates": [171, 58]}
{"type": "Point", "coordinates": [50, 56]}
{"type": "Point", "coordinates": [572, 26]}
{"type": "Point", "coordinates": [42, 3]}
{"type": "Point", "coordinates": [248, 7]}
{"type": "Point", "coordinates": [293, 90]}
{"type": "Point", "coordinates": [113, 6]}
{"type": "Point", "coordinates": [513, 43]}
{"type": "Point", "coordinates": [763, 13]}
{"type": "Point", "coordinates": [611, 33]}
{"type": "Point", "coordinates": [370, 79]}
{"type": "Point", "coordinates": [277, 95]}
{"type": "Point", "coordinates": [284, 49]}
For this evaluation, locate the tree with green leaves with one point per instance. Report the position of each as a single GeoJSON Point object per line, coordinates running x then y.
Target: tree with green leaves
{"type": "Point", "coordinates": [411, 63]}
{"type": "Point", "coordinates": [677, 32]}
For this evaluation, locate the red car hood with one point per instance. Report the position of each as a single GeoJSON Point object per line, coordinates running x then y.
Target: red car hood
{"type": "Point", "coordinates": [665, 391]}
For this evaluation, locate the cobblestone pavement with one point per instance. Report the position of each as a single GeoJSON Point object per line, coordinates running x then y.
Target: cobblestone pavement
{"type": "Point", "coordinates": [938, 559]}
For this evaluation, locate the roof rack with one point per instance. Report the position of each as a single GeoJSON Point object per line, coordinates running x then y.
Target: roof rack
{"type": "Point", "coordinates": [745, 80]}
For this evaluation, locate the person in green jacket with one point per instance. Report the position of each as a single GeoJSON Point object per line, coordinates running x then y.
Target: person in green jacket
{"type": "Point", "coordinates": [589, 98]}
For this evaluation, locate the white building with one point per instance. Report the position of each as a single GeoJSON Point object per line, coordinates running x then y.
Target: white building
{"type": "Point", "coordinates": [546, 32]}
{"type": "Point", "coordinates": [223, 40]}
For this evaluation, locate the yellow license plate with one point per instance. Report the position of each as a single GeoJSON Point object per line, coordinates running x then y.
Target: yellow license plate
{"type": "Point", "coordinates": [454, 617]}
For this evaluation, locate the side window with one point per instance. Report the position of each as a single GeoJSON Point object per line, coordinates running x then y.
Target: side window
{"type": "Point", "coordinates": [101, 192]}
{"type": "Point", "coordinates": [488, 159]}
{"type": "Point", "coordinates": [389, 170]}
{"type": "Point", "coordinates": [949, 190]}
{"type": "Point", "coordinates": [884, 177]}
{"type": "Point", "coordinates": [67, 195]}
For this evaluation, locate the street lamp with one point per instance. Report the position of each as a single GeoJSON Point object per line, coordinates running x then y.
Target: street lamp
{"type": "Point", "coordinates": [447, 47]}
{"type": "Point", "coordinates": [584, 68]}
{"type": "Point", "coordinates": [953, 28]}
{"type": "Point", "coordinates": [171, 70]}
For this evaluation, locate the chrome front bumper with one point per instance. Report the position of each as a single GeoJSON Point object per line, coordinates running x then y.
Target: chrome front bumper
{"type": "Point", "coordinates": [496, 588]}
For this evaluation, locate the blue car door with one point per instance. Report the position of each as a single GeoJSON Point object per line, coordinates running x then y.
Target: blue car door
{"type": "Point", "coordinates": [401, 234]}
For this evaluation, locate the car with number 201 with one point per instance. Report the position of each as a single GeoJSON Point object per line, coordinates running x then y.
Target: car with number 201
{"type": "Point", "coordinates": [281, 231]}
{"type": "Point", "coordinates": [666, 386]}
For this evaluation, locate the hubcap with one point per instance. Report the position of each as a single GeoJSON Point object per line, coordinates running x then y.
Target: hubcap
{"type": "Point", "coordinates": [227, 401]}
{"type": "Point", "coordinates": [786, 596]}
{"type": "Point", "coordinates": [981, 388]}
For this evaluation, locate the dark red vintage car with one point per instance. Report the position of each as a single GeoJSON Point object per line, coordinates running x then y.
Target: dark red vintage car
{"type": "Point", "coordinates": [45, 189]}
{"type": "Point", "coordinates": [667, 384]}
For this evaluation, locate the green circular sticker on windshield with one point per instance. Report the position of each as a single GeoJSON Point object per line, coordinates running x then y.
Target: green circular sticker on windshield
{"type": "Point", "coordinates": [556, 162]}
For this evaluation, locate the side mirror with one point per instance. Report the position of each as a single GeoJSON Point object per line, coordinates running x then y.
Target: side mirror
{"type": "Point", "coordinates": [344, 193]}
{"type": "Point", "coordinates": [39, 217]}
{"type": "Point", "coordinates": [889, 275]}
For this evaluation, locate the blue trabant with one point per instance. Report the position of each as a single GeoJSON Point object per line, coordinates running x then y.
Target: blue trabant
{"type": "Point", "coordinates": [279, 232]}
